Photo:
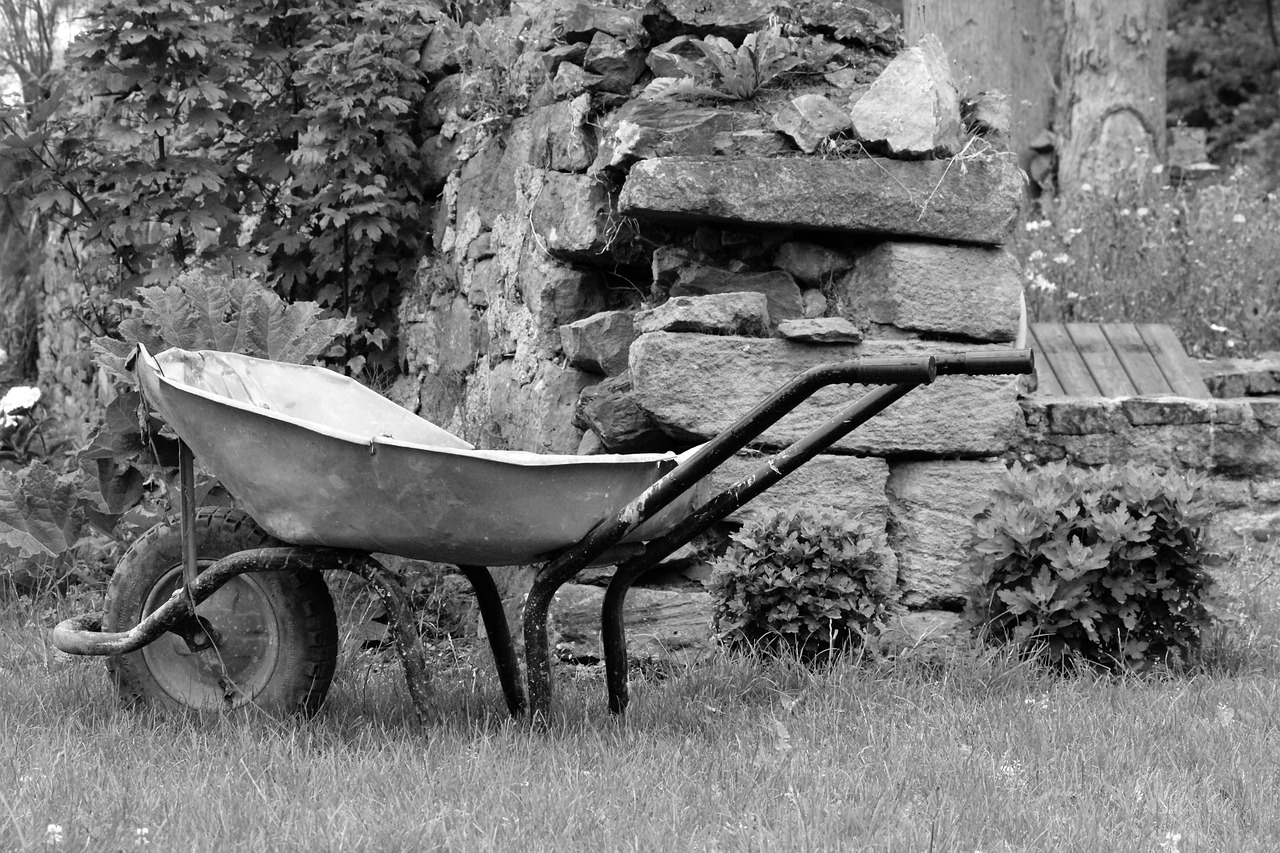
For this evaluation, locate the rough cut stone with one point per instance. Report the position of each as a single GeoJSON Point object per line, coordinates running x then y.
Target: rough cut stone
{"type": "Point", "coordinates": [643, 129]}
{"type": "Point", "coordinates": [1242, 377]}
{"type": "Point", "coordinates": [610, 412]}
{"type": "Point", "coordinates": [697, 385]}
{"type": "Point", "coordinates": [988, 115]}
{"type": "Point", "coordinates": [588, 19]}
{"type": "Point", "coordinates": [925, 198]}
{"type": "Point", "coordinates": [662, 625]}
{"type": "Point", "coordinates": [962, 291]}
{"type": "Point", "coordinates": [779, 288]}
{"type": "Point", "coordinates": [821, 330]}
{"type": "Point", "coordinates": [931, 510]}
{"type": "Point", "coordinates": [810, 263]}
{"type": "Point", "coordinates": [535, 416]}
{"type": "Point", "coordinates": [571, 81]}
{"type": "Point", "coordinates": [617, 65]}
{"type": "Point", "coordinates": [444, 336]}
{"type": "Point", "coordinates": [745, 314]}
{"type": "Point", "coordinates": [851, 484]}
{"type": "Point", "coordinates": [732, 19]}
{"type": "Point", "coordinates": [573, 216]}
{"type": "Point", "coordinates": [750, 144]}
{"type": "Point", "coordinates": [552, 138]}
{"type": "Point", "coordinates": [599, 343]}
{"type": "Point", "coordinates": [814, 303]}
{"type": "Point", "coordinates": [913, 107]}
{"type": "Point", "coordinates": [861, 21]}
{"type": "Point", "coordinates": [924, 633]}
{"type": "Point", "coordinates": [810, 120]}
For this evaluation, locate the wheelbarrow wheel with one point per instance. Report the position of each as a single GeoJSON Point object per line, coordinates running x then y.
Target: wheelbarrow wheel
{"type": "Point", "coordinates": [275, 634]}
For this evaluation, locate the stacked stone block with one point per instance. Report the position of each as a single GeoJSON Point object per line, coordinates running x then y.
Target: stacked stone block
{"type": "Point", "coordinates": [620, 270]}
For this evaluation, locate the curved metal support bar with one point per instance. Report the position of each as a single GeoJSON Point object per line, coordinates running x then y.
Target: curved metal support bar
{"type": "Point", "coordinates": [505, 660]}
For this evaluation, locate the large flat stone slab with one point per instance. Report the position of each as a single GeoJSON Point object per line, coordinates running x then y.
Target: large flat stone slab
{"type": "Point", "coordinates": [966, 291]}
{"type": "Point", "coordinates": [931, 510]}
{"type": "Point", "coordinates": [851, 484]}
{"type": "Point", "coordinates": [976, 201]}
{"type": "Point", "coordinates": [697, 385]}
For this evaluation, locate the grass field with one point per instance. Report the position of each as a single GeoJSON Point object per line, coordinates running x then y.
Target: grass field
{"type": "Point", "coordinates": [976, 753]}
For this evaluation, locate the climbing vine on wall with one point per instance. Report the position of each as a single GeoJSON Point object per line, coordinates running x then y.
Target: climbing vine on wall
{"type": "Point", "coordinates": [273, 136]}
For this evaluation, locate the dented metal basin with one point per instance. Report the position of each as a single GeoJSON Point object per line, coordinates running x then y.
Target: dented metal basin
{"type": "Point", "coordinates": [318, 459]}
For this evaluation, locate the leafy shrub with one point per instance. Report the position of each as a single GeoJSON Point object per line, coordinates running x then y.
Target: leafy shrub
{"type": "Point", "coordinates": [1200, 258]}
{"type": "Point", "coordinates": [802, 583]}
{"type": "Point", "coordinates": [1105, 566]}
{"type": "Point", "coordinates": [764, 58]}
{"type": "Point", "coordinates": [243, 131]}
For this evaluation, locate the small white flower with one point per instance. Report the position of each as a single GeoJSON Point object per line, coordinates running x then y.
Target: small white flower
{"type": "Point", "coordinates": [140, 836]}
{"type": "Point", "coordinates": [1124, 211]}
{"type": "Point", "coordinates": [1171, 841]}
{"type": "Point", "coordinates": [1231, 344]}
{"type": "Point", "coordinates": [1043, 284]}
{"type": "Point", "coordinates": [1037, 255]}
{"type": "Point", "coordinates": [1142, 211]}
{"type": "Point", "coordinates": [1071, 294]}
{"type": "Point", "coordinates": [1157, 169]}
{"type": "Point", "coordinates": [1239, 219]}
{"type": "Point", "coordinates": [53, 833]}
{"type": "Point", "coordinates": [19, 398]}
{"type": "Point", "coordinates": [1064, 259]}
{"type": "Point", "coordinates": [1032, 226]}
{"type": "Point", "coordinates": [1219, 329]}
{"type": "Point", "coordinates": [1086, 188]}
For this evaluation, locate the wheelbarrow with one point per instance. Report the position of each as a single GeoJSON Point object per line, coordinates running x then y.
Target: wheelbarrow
{"type": "Point", "coordinates": [224, 608]}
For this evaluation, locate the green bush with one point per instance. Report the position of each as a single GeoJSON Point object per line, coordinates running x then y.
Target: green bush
{"type": "Point", "coordinates": [1105, 566]}
{"type": "Point", "coordinates": [805, 584]}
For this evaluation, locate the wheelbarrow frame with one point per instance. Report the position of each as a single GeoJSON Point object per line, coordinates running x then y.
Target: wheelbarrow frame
{"type": "Point", "coordinates": [894, 377]}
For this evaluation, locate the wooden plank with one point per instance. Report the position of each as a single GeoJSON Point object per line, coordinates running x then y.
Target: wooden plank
{"type": "Point", "coordinates": [1101, 360]}
{"type": "Point", "coordinates": [1046, 380]}
{"type": "Point", "coordinates": [1068, 366]}
{"type": "Point", "coordinates": [1181, 373]}
{"type": "Point", "coordinates": [1136, 359]}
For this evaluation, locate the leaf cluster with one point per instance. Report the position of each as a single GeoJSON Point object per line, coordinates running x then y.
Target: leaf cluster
{"type": "Point", "coordinates": [725, 71]}
{"type": "Point", "coordinates": [248, 132]}
{"type": "Point", "coordinates": [810, 585]}
{"type": "Point", "coordinates": [1106, 566]}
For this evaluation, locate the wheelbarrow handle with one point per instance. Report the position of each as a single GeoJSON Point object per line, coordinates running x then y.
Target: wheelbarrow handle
{"type": "Point", "coordinates": [986, 363]}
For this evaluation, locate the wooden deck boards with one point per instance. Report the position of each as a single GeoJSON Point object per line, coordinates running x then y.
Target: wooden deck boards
{"type": "Point", "coordinates": [1113, 360]}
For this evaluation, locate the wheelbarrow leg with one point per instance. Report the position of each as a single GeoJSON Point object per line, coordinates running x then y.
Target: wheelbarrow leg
{"type": "Point", "coordinates": [537, 655]}
{"type": "Point", "coordinates": [495, 625]}
{"type": "Point", "coordinates": [613, 631]}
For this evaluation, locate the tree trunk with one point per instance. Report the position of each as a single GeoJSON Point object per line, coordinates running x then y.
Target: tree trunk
{"type": "Point", "coordinates": [1093, 71]}
{"type": "Point", "coordinates": [1110, 116]}
{"type": "Point", "coordinates": [1012, 46]}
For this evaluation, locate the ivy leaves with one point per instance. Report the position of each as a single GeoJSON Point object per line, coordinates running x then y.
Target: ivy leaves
{"type": "Point", "coordinates": [1105, 566]}
{"type": "Point", "coordinates": [244, 131]}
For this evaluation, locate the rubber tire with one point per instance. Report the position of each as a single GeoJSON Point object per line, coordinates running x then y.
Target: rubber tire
{"type": "Point", "coordinates": [305, 625]}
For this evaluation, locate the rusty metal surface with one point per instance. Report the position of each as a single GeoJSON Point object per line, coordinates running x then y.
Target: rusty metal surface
{"type": "Point", "coordinates": [318, 459]}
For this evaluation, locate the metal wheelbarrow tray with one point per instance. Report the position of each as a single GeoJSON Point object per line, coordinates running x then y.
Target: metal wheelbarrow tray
{"type": "Point", "coordinates": [336, 472]}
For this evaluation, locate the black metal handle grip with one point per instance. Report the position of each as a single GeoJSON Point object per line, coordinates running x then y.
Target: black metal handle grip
{"type": "Point", "coordinates": [986, 363]}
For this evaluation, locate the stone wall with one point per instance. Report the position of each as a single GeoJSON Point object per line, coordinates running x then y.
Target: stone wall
{"type": "Point", "coordinates": [1233, 442]}
{"type": "Point", "coordinates": [625, 269]}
